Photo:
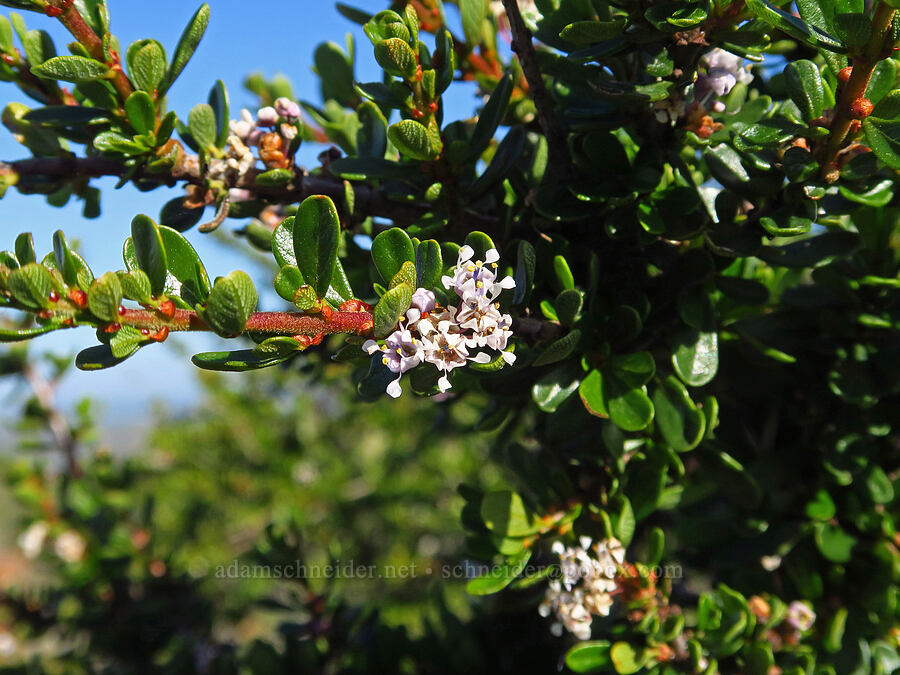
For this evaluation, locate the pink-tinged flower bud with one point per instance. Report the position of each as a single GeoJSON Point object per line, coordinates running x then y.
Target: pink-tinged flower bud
{"type": "Point", "coordinates": [239, 195]}
{"type": "Point", "coordinates": [287, 108]}
{"type": "Point", "coordinates": [423, 300]}
{"type": "Point", "coordinates": [267, 117]}
{"type": "Point", "coordinates": [800, 616]}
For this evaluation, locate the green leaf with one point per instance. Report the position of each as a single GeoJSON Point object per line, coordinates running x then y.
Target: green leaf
{"type": "Point", "coordinates": [626, 659]}
{"type": "Point", "coordinates": [505, 157]}
{"type": "Point", "coordinates": [66, 261]}
{"type": "Point", "coordinates": [678, 419]}
{"type": "Point", "coordinates": [113, 142]}
{"type": "Point", "coordinates": [500, 576]}
{"type": "Point", "coordinates": [31, 284]}
{"type": "Point", "coordinates": [696, 356]}
{"type": "Point", "coordinates": [230, 303]}
{"type": "Point", "coordinates": [811, 251]}
{"type": "Point", "coordinates": [591, 392]}
{"type": "Point", "coordinates": [821, 506]}
{"type": "Point", "coordinates": [25, 248]}
{"type": "Point", "coordinates": [335, 72]}
{"type": "Point", "coordinates": [397, 58]}
{"type": "Point", "coordinates": [176, 215]}
{"type": "Point", "coordinates": [304, 296]}
{"type": "Point", "coordinates": [429, 264]}
{"type": "Point", "coordinates": [794, 26]}
{"type": "Point", "coordinates": [187, 276]}
{"type": "Point", "coordinates": [218, 101]}
{"type": "Point", "coordinates": [371, 138]}
{"type": "Point", "coordinates": [524, 274]}
{"type": "Point", "coordinates": [287, 281]}
{"type": "Point", "coordinates": [473, 12]}
{"type": "Point", "coordinates": [406, 275]}
{"type": "Point", "coordinates": [146, 61]}
{"type": "Point", "coordinates": [568, 305]}
{"type": "Point", "coordinates": [316, 234]}
{"type": "Point", "coordinates": [187, 44]}
{"type": "Point", "coordinates": [553, 389]}
{"type": "Point", "coordinates": [804, 85]}
{"type": "Point", "coordinates": [834, 633]}
{"type": "Point", "coordinates": [834, 543]}
{"type": "Point", "coordinates": [444, 61]}
{"type": "Point", "coordinates": [125, 342]}
{"type": "Point", "coordinates": [390, 249]}
{"type": "Point", "coordinates": [105, 296]}
{"type": "Point", "coordinates": [390, 309]}
{"type": "Point", "coordinates": [66, 115]}
{"type": "Point", "coordinates": [882, 129]}
{"type": "Point", "coordinates": [490, 117]}
{"type": "Point", "coordinates": [141, 112]}
{"type": "Point", "coordinates": [283, 242]}
{"type": "Point", "coordinates": [586, 657]}
{"type": "Point", "coordinates": [590, 32]}
{"type": "Point", "coordinates": [412, 139]}
{"type": "Point", "coordinates": [879, 486]}
{"type": "Point", "coordinates": [135, 286]}
{"type": "Point", "coordinates": [149, 251]}
{"type": "Point", "coordinates": [633, 370]}
{"type": "Point", "coordinates": [629, 407]}
{"type": "Point", "coordinates": [237, 361]}
{"type": "Point", "coordinates": [504, 513]}
{"type": "Point", "coordinates": [559, 349]}
{"type": "Point", "coordinates": [22, 334]}
{"type": "Point", "coordinates": [76, 69]}
{"type": "Point", "coordinates": [97, 358]}
{"type": "Point", "coordinates": [202, 126]}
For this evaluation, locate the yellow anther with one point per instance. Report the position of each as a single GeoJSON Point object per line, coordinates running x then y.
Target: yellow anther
{"type": "Point", "coordinates": [385, 360]}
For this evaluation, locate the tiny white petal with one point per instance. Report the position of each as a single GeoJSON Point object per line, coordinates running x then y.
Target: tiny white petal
{"type": "Point", "coordinates": [508, 357]}
{"type": "Point", "coordinates": [481, 357]}
{"type": "Point", "coordinates": [444, 384]}
{"type": "Point", "coordinates": [393, 389]}
{"type": "Point", "coordinates": [370, 346]}
{"type": "Point", "coordinates": [466, 253]}
{"type": "Point", "coordinates": [491, 256]}
{"type": "Point", "coordinates": [507, 282]}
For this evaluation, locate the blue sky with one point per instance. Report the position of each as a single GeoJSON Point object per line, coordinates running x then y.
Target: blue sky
{"type": "Point", "coordinates": [269, 37]}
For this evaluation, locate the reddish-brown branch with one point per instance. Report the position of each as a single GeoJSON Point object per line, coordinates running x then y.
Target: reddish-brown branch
{"type": "Point", "coordinates": [845, 114]}
{"type": "Point", "coordinates": [77, 26]}
{"type": "Point", "coordinates": [267, 323]}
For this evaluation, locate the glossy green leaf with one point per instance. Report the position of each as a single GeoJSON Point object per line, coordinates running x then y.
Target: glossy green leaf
{"type": "Point", "coordinates": [98, 357]}
{"type": "Point", "coordinates": [473, 12]}
{"type": "Point", "coordinates": [587, 657]}
{"type": "Point", "coordinates": [553, 389]}
{"type": "Point", "coordinates": [390, 249]}
{"type": "Point", "coordinates": [141, 112]}
{"type": "Point", "coordinates": [626, 659]}
{"type": "Point", "coordinates": [237, 361]}
{"type": "Point", "coordinates": [390, 309]}
{"type": "Point", "coordinates": [490, 117]}
{"type": "Point", "coordinates": [316, 235]}
{"type": "Point", "coordinates": [558, 349]}
{"type": "Point", "coordinates": [187, 276]}
{"type": "Point", "coordinates": [882, 129]}
{"type": "Point", "coordinates": [696, 356]}
{"type": "Point", "coordinates": [834, 543]}
{"type": "Point", "coordinates": [677, 417]}
{"type": "Point", "coordinates": [371, 138]}
{"type": "Point", "coordinates": [176, 215]}
{"type": "Point", "coordinates": [25, 248]}
{"type": "Point", "coordinates": [568, 306]}
{"type": "Point", "coordinates": [23, 334]}
{"type": "Point", "coordinates": [589, 32]}
{"type": "Point", "coordinates": [202, 126]}
{"type": "Point", "coordinates": [429, 264]}
{"type": "Point", "coordinates": [524, 274]}
{"type": "Point", "coordinates": [135, 286]}
{"type": "Point", "coordinates": [149, 251]}
{"type": "Point", "coordinates": [218, 101]}
{"type": "Point", "coordinates": [804, 85]}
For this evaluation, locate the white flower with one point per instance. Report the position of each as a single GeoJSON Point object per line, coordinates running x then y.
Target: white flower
{"type": "Point", "coordinates": [800, 616]}
{"type": "Point", "coordinates": [243, 127]}
{"type": "Point", "coordinates": [445, 350]}
{"type": "Point", "coordinates": [31, 541]}
{"type": "Point", "coordinates": [401, 351]}
{"type": "Point", "coordinates": [267, 117]}
{"type": "Point", "coordinates": [70, 546]}
{"type": "Point", "coordinates": [8, 644]}
{"type": "Point", "coordinates": [724, 70]}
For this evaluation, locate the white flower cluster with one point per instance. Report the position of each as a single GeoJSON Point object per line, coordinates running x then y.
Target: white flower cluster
{"type": "Point", "coordinates": [586, 585]}
{"type": "Point", "coordinates": [444, 337]}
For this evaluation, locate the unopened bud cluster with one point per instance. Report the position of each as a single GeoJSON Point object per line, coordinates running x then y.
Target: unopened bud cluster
{"type": "Point", "coordinates": [446, 338]}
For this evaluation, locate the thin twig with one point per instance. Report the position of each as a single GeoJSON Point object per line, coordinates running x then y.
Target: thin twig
{"type": "Point", "coordinates": [546, 107]}
{"type": "Point", "coordinates": [56, 421]}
